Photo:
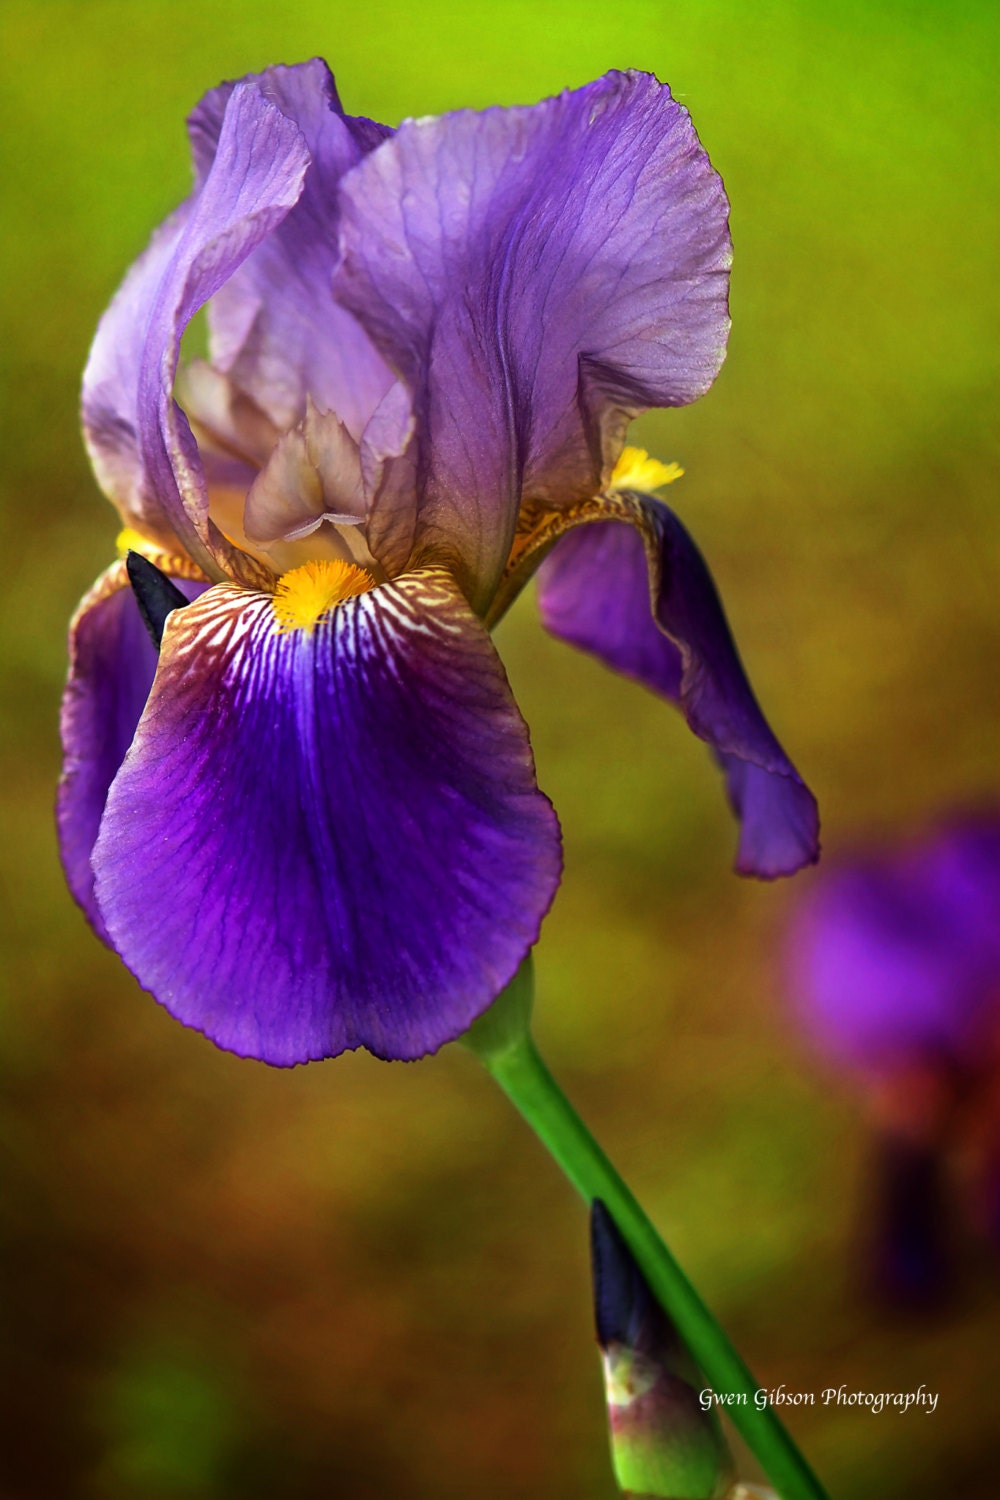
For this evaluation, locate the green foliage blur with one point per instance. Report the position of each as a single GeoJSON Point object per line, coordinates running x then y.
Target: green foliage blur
{"type": "Point", "coordinates": [366, 1280]}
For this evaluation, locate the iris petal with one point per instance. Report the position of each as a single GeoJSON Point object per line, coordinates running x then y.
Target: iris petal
{"type": "Point", "coordinates": [274, 326]}
{"type": "Point", "coordinates": [255, 178]}
{"type": "Point", "coordinates": [110, 398]}
{"type": "Point", "coordinates": [326, 840]}
{"type": "Point", "coordinates": [112, 664]}
{"type": "Point", "coordinates": [537, 276]}
{"type": "Point", "coordinates": [594, 591]}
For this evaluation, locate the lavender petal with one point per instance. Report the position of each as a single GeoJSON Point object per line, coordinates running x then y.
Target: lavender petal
{"type": "Point", "coordinates": [537, 276]}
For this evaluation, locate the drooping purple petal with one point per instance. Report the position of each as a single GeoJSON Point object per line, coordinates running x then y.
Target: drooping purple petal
{"type": "Point", "coordinates": [274, 326]}
{"type": "Point", "coordinates": [779, 820]}
{"type": "Point", "coordinates": [112, 663]}
{"type": "Point", "coordinates": [255, 178]}
{"type": "Point", "coordinates": [329, 840]}
{"type": "Point", "coordinates": [594, 591]}
{"type": "Point", "coordinates": [538, 276]}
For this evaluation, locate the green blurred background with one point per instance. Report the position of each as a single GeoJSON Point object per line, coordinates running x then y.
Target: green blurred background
{"type": "Point", "coordinates": [366, 1280]}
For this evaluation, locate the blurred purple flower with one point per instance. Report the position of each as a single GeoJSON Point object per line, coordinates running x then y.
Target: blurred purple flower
{"type": "Point", "coordinates": [897, 956]}
{"type": "Point", "coordinates": [314, 824]}
{"type": "Point", "coordinates": [895, 968]}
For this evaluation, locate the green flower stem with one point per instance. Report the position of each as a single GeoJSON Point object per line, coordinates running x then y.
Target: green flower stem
{"type": "Point", "coordinates": [527, 1082]}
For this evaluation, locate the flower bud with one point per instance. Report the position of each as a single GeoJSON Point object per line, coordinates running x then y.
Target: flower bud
{"type": "Point", "coordinates": [664, 1445]}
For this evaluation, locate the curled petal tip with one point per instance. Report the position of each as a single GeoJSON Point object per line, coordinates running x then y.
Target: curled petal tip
{"type": "Point", "coordinates": [155, 594]}
{"type": "Point", "coordinates": [595, 592]}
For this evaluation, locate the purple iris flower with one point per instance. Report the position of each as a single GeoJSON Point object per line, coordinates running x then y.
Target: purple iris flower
{"type": "Point", "coordinates": [896, 957]}
{"type": "Point", "coordinates": [313, 822]}
{"type": "Point", "coordinates": [895, 969]}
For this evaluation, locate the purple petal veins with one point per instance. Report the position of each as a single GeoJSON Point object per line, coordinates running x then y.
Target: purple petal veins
{"type": "Point", "coordinates": [274, 327]}
{"type": "Point", "coordinates": [328, 840]}
{"type": "Point", "coordinates": [538, 276]}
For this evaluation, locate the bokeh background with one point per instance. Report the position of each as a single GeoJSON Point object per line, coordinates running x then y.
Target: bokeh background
{"type": "Point", "coordinates": [367, 1280]}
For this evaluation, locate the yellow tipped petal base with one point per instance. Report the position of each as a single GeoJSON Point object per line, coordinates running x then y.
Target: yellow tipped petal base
{"type": "Point", "coordinates": [635, 470]}
{"type": "Point", "coordinates": [305, 594]}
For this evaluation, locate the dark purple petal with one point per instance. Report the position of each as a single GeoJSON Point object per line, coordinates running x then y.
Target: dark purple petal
{"type": "Point", "coordinates": [329, 840]}
{"type": "Point", "coordinates": [255, 178]}
{"type": "Point", "coordinates": [274, 326]}
{"type": "Point", "coordinates": [538, 276]}
{"type": "Point", "coordinates": [594, 591]}
{"type": "Point", "coordinates": [112, 663]}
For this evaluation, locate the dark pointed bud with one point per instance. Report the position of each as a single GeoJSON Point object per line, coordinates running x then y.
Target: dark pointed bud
{"type": "Point", "coordinates": [625, 1310]}
{"type": "Point", "coordinates": [666, 1440]}
{"type": "Point", "coordinates": [154, 593]}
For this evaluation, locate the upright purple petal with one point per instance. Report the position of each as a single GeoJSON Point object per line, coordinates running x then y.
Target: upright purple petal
{"type": "Point", "coordinates": [274, 326]}
{"type": "Point", "coordinates": [327, 840]}
{"type": "Point", "coordinates": [112, 664]}
{"type": "Point", "coordinates": [595, 589]}
{"type": "Point", "coordinates": [110, 398]}
{"type": "Point", "coordinates": [538, 276]}
{"type": "Point", "coordinates": [255, 178]}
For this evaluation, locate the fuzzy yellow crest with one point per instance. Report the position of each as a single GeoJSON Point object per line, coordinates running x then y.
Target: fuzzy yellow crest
{"type": "Point", "coordinates": [635, 470]}
{"type": "Point", "coordinates": [305, 594]}
{"type": "Point", "coordinates": [128, 541]}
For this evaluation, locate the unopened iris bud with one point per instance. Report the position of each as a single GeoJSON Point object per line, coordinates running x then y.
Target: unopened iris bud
{"type": "Point", "coordinates": [664, 1444]}
{"type": "Point", "coordinates": [155, 594]}
{"type": "Point", "coordinates": [738, 1491]}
